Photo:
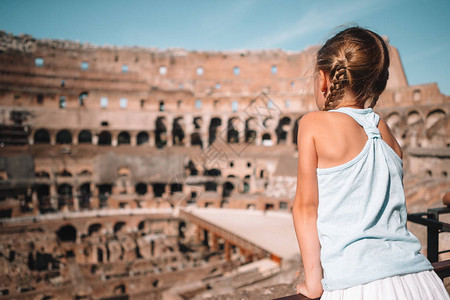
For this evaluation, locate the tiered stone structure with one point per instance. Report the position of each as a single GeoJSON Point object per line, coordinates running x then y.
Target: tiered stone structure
{"type": "Point", "coordinates": [88, 128]}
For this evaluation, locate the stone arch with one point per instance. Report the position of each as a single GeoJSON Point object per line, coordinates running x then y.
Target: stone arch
{"type": "Point", "coordinates": [41, 136]}
{"type": "Point", "coordinates": [64, 195]}
{"type": "Point", "coordinates": [232, 131]}
{"type": "Point", "coordinates": [140, 188]}
{"type": "Point", "coordinates": [104, 138]}
{"type": "Point", "coordinates": [178, 132]}
{"type": "Point", "coordinates": [213, 126]}
{"type": "Point", "coordinates": [85, 195]}
{"type": "Point", "coordinates": [42, 174]}
{"type": "Point", "coordinates": [395, 123]}
{"type": "Point", "coordinates": [160, 132]}
{"type": "Point", "coordinates": [85, 137]}
{"type": "Point", "coordinates": [123, 138]}
{"type": "Point", "coordinates": [119, 226]}
{"type": "Point", "coordinates": [196, 139]}
{"type": "Point", "coordinates": [251, 130]}
{"type": "Point", "coordinates": [435, 128]}
{"type": "Point", "coordinates": [67, 233]}
{"type": "Point", "coordinates": [228, 187]}
{"type": "Point", "coordinates": [267, 139]}
{"type": "Point", "coordinates": [93, 228]}
{"type": "Point", "coordinates": [64, 137]}
{"type": "Point", "coordinates": [414, 124]}
{"type": "Point", "coordinates": [142, 138]}
{"type": "Point", "coordinates": [282, 130]}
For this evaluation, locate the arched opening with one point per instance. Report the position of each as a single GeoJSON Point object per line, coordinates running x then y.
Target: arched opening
{"type": "Point", "coordinates": [142, 138]}
{"type": "Point", "coordinates": [250, 130]}
{"type": "Point", "coordinates": [196, 139]}
{"type": "Point", "coordinates": [141, 188]}
{"type": "Point", "coordinates": [246, 184]}
{"type": "Point", "coordinates": [99, 255]}
{"type": "Point", "coordinates": [104, 138]}
{"type": "Point", "coordinates": [158, 189]}
{"type": "Point", "coordinates": [232, 132]}
{"type": "Point", "coordinates": [64, 195]}
{"type": "Point", "coordinates": [123, 138]}
{"type": "Point", "coordinates": [85, 137]}
{"type": "Point", "coordinates": [64, 173]}
{"type": "Point", "coordinates": [177, 132]}
{"type": "Point", "coordinates": [118, 226]}
{"type": "Point", "coordinates": [119, 289]}
{"type": "Point", "coordinates": [93, 228]}
{"type": "Point", "coordinates": [267, 140]}
{"type": "Point", "coordinates": [160, 132]}
{"type": "Point", "coordinates": [67, 233]}
{"type": "Point", "coordinates": [213, 125]}
{"type": "Point", "coordinates": [85, 196]}
{"type": "Point", "coordinates": [81, 98]}
{"type": "Point", "coordinates": [41, 136]}
{"type": "Point", "coordinates": [64, 137]}
{"type": "Point", "coordinates": [228, 187]}
{"type": "Point", "coordinates": [435, 124]}
{"type": "Point", "coordinates": [282, 130]}
{"type": "Point", "coordinates": [176, 187]}
{"type": "Point", "coordinates": [43, 195]}
{"type": "Point", "coordinates": [104, 191]}
{"type": "Point", "coordinates": [192, 169]}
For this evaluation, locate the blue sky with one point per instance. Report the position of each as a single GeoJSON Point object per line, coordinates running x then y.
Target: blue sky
{"type": "Point", "coordinates": [418, 28]}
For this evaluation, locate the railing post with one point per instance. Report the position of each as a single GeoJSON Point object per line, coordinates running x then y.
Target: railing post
{"type": "Point", "coordinates": [432, 238]}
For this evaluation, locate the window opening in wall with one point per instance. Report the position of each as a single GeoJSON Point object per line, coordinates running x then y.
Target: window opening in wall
{"type": "Point", "coordinates": [274, 69]}
{"type": "Point", "coordinates": [416, 95]}
{"type": "Point", "coordinates": [103, 102]}
{"type": "Point", "coordinates": [163, 70]}
{"type": "Point", "coordinates": [236, 71]}
{"type": "Point", "coordinates": [216, 103]}
{"type": "Point", "coordinates": [200, 71]}
{"type": "Point", "coordinates": [180, 86]}
{"type": "Point", "coordinates": [142, 103]}
{"type": "Point", "coordinates": [161, 106]}
{"type": "Point", "coordinates": [84, 65]}
{"type": "Point", "coordinates": [231, 164]}
{"type": "Point", "coordinates": [287, 103]}
{"type": "Point", "coordinates": [234, 106]}
{"type": "Point", "coordinates": [124, 68]}
{"type": "Point", "coordinates": [62, 102]}
{"type": "Point", "coordinates": [81, 98]}
{"type": "Point", "coordinates": [218, 86]}
{"type": "Point", "coordinates": [292, 83]}
{"type": "Point", "coordinates": [249, 164]}
{"type": "Point", "coordinates": [116, 58]}
{"type": "Point", "coordinates": [40, 98]}
{"type": "Point", "coordinates": [104, 123]}
{"type": "Point", "coordinates": [63, 83]}
{"type": "Point", "coordinates": [142, 138]}
{"type": "Point", "coordinates": [198, 104]}
{"type": "Point", "coordinates": [270, 104]}
{"type": "Point", "coordinates": [123, 102]}
{"type": "Point", "coordinates": [283, 205]}
{"type": "Point", "coordinates": [39, 62]}
{"type": "Point", "coordinates": [179, 103]}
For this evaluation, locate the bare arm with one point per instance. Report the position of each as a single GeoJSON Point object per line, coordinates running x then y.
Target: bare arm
{"type": "Point", "coordinates": [305, 209]}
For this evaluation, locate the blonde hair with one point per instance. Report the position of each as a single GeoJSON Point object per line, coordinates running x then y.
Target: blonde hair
{"type": "Point", "coordinates": [356, 59]}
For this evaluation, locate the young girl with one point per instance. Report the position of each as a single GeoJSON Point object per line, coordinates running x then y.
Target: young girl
{"type": "Point", "coordinates": [349, 210]}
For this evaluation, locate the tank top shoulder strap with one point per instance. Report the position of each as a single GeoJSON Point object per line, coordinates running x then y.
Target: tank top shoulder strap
{"type": "Point", "coordinates": [366, 117]}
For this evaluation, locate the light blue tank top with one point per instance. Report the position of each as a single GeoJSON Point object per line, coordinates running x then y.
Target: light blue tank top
{"type": "Point", "coordinates": [362, 214]}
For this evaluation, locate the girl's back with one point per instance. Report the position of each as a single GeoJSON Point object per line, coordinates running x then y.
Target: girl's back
{"type": "Point", "coordinates": [339, 138]}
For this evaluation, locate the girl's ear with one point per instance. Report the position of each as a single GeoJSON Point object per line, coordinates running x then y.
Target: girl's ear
{"type": "Point", "coordinates": [323, 82]}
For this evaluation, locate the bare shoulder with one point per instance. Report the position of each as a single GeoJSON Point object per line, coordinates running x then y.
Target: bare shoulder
{"type": "Point", "coordinates": [311, 120]}
{"type": "Point", "coordinates": [388, 137]}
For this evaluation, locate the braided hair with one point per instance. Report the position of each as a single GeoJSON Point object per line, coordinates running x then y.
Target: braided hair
{"type": "Point", "coordinates": [356, 60]}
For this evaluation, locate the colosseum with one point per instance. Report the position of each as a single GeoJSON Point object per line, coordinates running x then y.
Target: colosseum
{"type": "Point", "coordinates": [129, 172]}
